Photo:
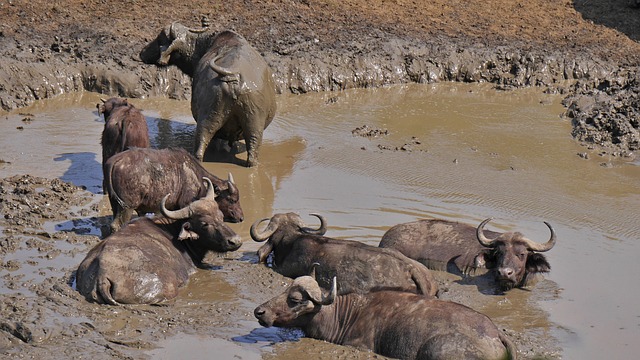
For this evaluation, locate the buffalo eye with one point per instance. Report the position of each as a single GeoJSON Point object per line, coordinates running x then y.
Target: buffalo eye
{"type": "Point", "coordinates": [522, 256]}
{"type": "Point", "coordinates": [204, 224]}
{"type": "Point", "coordinates": [294, 300]}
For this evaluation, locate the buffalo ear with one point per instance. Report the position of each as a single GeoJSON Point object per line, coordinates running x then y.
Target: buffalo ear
{"type": "Point", "coordinates": [489, 258]}
{"type": "Point", "coordinates": [264, 251]}
{"type": "Point", "coordinates": [186, 233]}
{"type": "Point", "coordinates": [537, 263]}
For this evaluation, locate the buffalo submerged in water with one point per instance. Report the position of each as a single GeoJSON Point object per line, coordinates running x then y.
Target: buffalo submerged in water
{"type": "Point", "coordinates": [463, 249]}
{"type": "Point", "coordinates": [391, 323]}
{"type": "Point", "coordinates": [360, 267]}
{"type": "Point", "coordinates": [149, 260]}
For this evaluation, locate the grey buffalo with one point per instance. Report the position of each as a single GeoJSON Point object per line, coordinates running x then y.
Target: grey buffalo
{"type": "Point", "coordinates": [137, 179]}
{"type": "Point", "coordinates": [297, 248]}
{"type": "Point", "coordinates": [233, 93]}
{"type": "Point", "coordinates": [464, 249]}
{"type": "Point", "coordinates": [147, 261]}
{"type": "Point", "coordinates": [391, 323]}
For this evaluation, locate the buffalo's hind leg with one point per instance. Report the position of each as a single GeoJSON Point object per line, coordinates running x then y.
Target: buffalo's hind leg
{"type": "Point", "coordinates": [205, 131]}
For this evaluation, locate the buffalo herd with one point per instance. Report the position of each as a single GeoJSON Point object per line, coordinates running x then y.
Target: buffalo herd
{"type": "Point", "coordinates": [342, 291]}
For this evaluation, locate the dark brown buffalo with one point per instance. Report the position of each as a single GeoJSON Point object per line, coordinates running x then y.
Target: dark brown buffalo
{"type": "Point", "coordinates": [464, 249]}
{"type": "Point", "coordinates": [137, 179]}
{"type": "Point", "coordinates": [124, 127]}
{"type": "Point", "coordinates": [360, 267]}
{"type": "Point", "coordinates": [232, 90]}
{"type": "Point", "coordinates": [391, 323]}
{"type": "Point", "coordinates": [147, 261]}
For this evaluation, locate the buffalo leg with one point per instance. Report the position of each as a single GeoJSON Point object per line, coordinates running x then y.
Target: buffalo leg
{"type": "Point", "coordinates": [253, 128]}
{"type": "Point", "coordinates": [205, 130]}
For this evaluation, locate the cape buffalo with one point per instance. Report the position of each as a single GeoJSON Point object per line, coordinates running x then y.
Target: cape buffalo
{"type": "Point", "coordinates": [391, 323]}
{"type": "Point", "coordinates": [463, 249]}
{"type": "Point", "coordinates": [137, 179]}
{"type": "Point", "coordinates": [232, 89]}
{"type": "Point", "coordinates": [124, 127]}
{"type": "Point", "coordinates": [147, 261]}
{"type": "Point", "coordinates": [297, 248]}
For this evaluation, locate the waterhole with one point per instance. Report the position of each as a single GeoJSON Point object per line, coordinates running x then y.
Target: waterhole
{"type": "Point", "coordinates": [370, 159]}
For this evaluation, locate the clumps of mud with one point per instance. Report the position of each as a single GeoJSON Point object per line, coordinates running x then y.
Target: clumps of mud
{"type": "Point", "coordinates": [607, 119]}
{"type": "Point", "coordinates": [369, 132]}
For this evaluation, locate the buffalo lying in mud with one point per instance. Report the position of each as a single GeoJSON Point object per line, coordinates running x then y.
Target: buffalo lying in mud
{"type": "Point", "coordinates": [147, 261]}
{"type": "Point", "coordinates": [297, 248]}
{"type": "Point", "coordinates": [124, 127]}
{"type": "Point", "coordinates": [463, 249]}
{"type": "Point", "coordinates": [391, 323]}
{"type": "Point", "coordinates": [232, 89]}
{"type": "Point", "coordinates": [137, 179]}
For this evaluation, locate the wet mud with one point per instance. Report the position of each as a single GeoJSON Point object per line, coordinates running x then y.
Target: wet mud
{"type": "Point", "coordinates": [370, 163]}
{"type": "Point", "coordinates": [575, 167]}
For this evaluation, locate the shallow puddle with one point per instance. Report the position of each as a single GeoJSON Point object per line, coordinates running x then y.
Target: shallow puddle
{"type": "Point", "coordinates": [455, 151]}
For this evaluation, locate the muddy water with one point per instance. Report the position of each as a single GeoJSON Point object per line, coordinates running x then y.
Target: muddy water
{"type": "Point", "coordinates": [460, 152]}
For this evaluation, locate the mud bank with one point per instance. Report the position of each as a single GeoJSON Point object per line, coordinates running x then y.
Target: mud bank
{"type": "Point", "coordinates": [579, 49]}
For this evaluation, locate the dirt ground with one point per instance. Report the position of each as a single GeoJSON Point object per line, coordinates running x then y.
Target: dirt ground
{"type": "Point", "coordinates": [585, 49]}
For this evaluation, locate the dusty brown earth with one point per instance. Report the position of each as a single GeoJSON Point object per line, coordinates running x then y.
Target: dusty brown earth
{"type": "Point", "coordinates": [587, 50]}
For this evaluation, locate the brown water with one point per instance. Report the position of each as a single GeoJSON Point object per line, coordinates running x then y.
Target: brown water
{"type": "Point", "coordinates": [473, 152]}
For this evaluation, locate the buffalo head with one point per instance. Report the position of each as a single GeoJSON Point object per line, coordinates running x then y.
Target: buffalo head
{"type": "Point", "coordinates": [106, 106]}
{"type": "Point", "coordinates": [281, 229]}
{"type": "Point", "coordinates": [229, 201]}
{"type": "Point", "coordinates": [204, 222]}
{"type": "Point", "coordinates": [297, 304]}
{"type": "Point", "coordinates": [513, 256]}
{"type": "Point", "coordinates": [174, 45]}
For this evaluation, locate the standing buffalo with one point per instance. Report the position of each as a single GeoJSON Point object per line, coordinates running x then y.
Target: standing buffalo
{"type": "Point", "coordinates": [232, 90]}
{"type": "Point", "coordinates": [361, 268]}
{"type": "Point", "coordinates": [463, 249]}
{"type": "Point", "coordinates": [124, 127]}
{"type": "Point", "coordinates": [137, 179]}
{"type": "Point", "coordinates": [147, 261]}
{"type": "Point", "coordinates": [391, 323]}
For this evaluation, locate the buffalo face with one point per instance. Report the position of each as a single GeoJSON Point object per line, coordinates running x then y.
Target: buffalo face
{"type": "Point", "coordinates": [172, 46]}
{"type": "Point", "coordinates": [280, 230]}
{"type": "Point", "coordinates": [205, 222]}
{"type": "Point", "coordinates": [514, 257]}
{"type": "Point", "coordinates": [229, 202]}
{"type": "Point", "coordinates": [296, 305]}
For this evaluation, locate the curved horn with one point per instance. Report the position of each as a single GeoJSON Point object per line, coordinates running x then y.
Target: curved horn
{"type": "Point", "coordinates": [319, 231]}
{"type": "Point", "coordinates": [331, 297]}
{"type": "Point", "coordinates": [211, 191]}
{"type": "Point", "coordinates": [480, 235]}
{"type": "Point", "coordinates": [260, 236]}
{"type": "Point", "coordinates": [174, 215]}
{"type": "Point", "coordinates": [534, 246]}
{"type": "Point", "coordinates": [232, 185]}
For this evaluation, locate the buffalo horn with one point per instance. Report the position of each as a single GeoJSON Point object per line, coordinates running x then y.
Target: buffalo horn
{"type": "Point", "coordinates": [232, 185]}
{"type": "Point", "coordinates": [331, 297]}
{"type": "Point", "coordinates": [211, 191]}
{"type": "Point", "coordinates": [319, 231]}
{"type": "Point", "coordinates": [534, 246]}
{"type": "Point", "coordinates": [480, 234]}
{"type": "Point", "coordinates": [180, 214]}
{"type": "Point", "coordinates": [260, 236]}
{"type": "Point", "coordinates": [312, 288]}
